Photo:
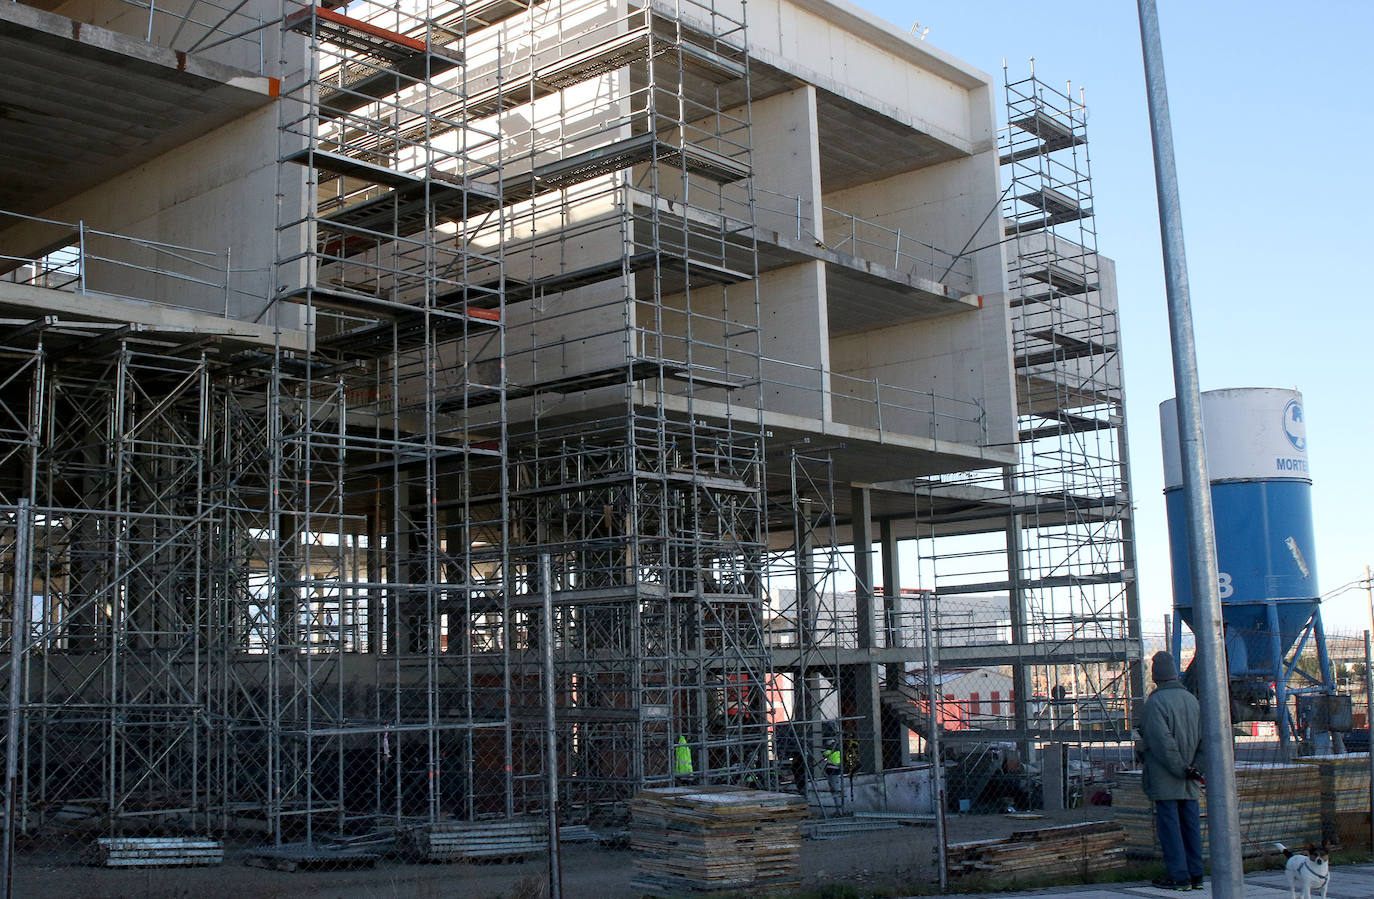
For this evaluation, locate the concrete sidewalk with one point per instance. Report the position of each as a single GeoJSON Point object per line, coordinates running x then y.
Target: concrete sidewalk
{"type": "Point", "coordinates": [1347, 882]}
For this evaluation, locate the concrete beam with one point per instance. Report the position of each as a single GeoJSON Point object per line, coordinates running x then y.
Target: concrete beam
{"type": "Point", "coordinates": [23, 300]}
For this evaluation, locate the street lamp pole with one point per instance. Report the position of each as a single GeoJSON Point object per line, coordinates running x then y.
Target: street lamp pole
{"type": "Point", "coordinates": [1223, 818]}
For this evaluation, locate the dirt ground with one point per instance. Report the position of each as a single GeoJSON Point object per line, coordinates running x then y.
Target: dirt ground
{"type": "Point", "coordinates": [884, 861]}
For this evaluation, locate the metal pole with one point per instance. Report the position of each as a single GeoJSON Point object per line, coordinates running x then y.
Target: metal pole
{"type": "Point", "coordinates": [937, 778]}
{"type": "Point", "coordinates": [19, 630]}
{"type": "Point", "coordinates": [550, 732]}
{"type": "Point", "coordinates": [1228, 876]}
{"type": "Point", "coordinates": [1369, 722]}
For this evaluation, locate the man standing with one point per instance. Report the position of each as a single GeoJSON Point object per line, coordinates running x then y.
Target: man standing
{"type": "Point", "coordinates": [682, 762]}
{"type": "Point", "coordinates": [1170, 741]}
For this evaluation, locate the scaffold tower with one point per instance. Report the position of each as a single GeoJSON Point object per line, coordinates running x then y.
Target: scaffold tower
{"type": "Point", "coordinates": [1034, 564]}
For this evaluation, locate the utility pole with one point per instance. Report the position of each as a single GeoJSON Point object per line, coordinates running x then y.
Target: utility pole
{"type": "Point", "coordinates": [1369, 699]}
{"type": "Point", "coordinates": [1223, 818]}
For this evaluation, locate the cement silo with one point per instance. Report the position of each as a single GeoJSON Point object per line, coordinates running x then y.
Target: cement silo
{"type": "Point", "coordinates": [1267, 570]}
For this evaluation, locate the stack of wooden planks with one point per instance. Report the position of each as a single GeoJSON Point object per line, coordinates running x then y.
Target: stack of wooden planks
{"type": "Point", "coordinates": [468, 841]}
{"type": "Point", "coordinates": [1277, 802]}
{"type": "Point", "coordinates": [1344, 797]}
{"type": "Point", "coordinates": [1083, 849]}
{"type": "Point", "coordinates": [715, 838]}
{"type": "Point", "coordinates": [156, 852]}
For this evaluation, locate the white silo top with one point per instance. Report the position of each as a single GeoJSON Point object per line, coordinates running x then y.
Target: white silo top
{"type": "Point", "coordinates": [1251, 433]}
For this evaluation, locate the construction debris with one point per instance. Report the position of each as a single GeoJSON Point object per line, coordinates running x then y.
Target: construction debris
{"type": "Point", "coordinates": [1081, 849]}
{"type": "Point", "coordinates": [1277, 802]}
{"type": "Point", "coordinates": [466, 841]}
{"type": "Point", "coordinates": [843, 827]}
{"type": "Point", "coordinates": [715, 838]}
{"type": "Point", "coordinates": [156, 852]}
{"type": "Point", "coordinates": [304, 857]}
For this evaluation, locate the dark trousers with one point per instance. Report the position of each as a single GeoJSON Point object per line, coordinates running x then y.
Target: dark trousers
{"type": "Point", "coordinates": [1180, 838]}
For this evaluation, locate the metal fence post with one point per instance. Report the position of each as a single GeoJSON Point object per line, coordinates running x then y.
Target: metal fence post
{"type": "Point", "coordinates": [81, 253]}
{"type": "Point", "coordinates": [878, 404]}
{"type": "Point", "coordinates": [937, 778]}
{"type": "Point", "coordinates": [19, 630]}
{"type": "Point", "coordinates": [550, 732]}
{"type": "Point", "coordinates": [1369, 728]}
{"type": "Point", "coordinates": [228, 276]}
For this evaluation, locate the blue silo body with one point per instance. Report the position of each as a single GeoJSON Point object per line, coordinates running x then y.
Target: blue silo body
{"type": "Point", "coordinates": [1262, 511]}
{"type": "Point", "coordinates": [1254, 522]}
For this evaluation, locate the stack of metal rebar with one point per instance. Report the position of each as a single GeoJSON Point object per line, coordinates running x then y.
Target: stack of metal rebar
{"type": "Point", "coordinates": [475, 841]}
{"type": "Point", "coordinates": [156, 852]}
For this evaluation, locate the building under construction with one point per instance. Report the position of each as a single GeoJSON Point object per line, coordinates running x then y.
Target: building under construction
{"type": "Point", "coordinates": [336, 340]}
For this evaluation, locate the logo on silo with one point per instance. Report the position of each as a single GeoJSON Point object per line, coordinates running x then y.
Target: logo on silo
{"type": "Point", "coordinates": [1293, 427]}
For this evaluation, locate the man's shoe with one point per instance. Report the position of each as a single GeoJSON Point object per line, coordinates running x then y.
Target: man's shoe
{"type": "Point", "coordinates": [1178, 886]}
{"type": "Point", "coordinates": [1197, 883]}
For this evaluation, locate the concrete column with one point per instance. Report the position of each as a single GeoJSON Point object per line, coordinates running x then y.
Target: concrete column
{"type": "Point", "coordinates": [1128, 563]}
{"type": "Point", "coordinates": [864, 677]}
{"type": "Point", "coordinates": [786, 132]}
{"type": "Point", "coordinates": [861, 521]}
{"type": "Point", "coordinates": [796, 341]}
{"type": "Point", "coordinates": [376, 618]}
{"type": "Point", "coordinates": [894, 731]}
{"type": "Point", "coordinates": [1052, 777]}
{"type": "Point", "coordinates": [860, 684]}
{"type": "Point", "coordinates": [1020, 633]}
{"type": "Point", "coordinates": [787, 190]}
{"type": "Point", "coordinates": [455, 571]}
{"type": "Point", "coordinates": [892, 593]}
{"type": "Point", "coordinates": [401, 551]}
{"type": "Point", "coordinates": [806, 683]}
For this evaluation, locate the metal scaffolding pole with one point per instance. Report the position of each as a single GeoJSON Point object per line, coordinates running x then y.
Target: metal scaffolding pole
{"type": "Point", "coordinates": [19, 627]}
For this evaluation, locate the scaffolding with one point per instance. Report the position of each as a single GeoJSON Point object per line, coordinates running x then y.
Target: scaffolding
{"type": "Point", "coordinates": [293, 588]}
{"type": "Point", "coordinates": [1034, 564]}
{"type": "Point", "coordinates": [536, 354]}
{"type": "Point", "coordinates": [278, 567]}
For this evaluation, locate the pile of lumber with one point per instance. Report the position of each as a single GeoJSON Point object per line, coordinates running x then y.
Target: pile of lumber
{"type": "Point", "coordinates": [1082, 849]}
{"type": "Point", "coordinates": [1277, 802]}
{"type": "Point", "coordinates": [156, 852]}
{"type": "Point", "coordinates": [1344, 797]}
{"type": "Point", "coordinates": [715, 838]}
{"type": "Point", "coordinates": [471, 841]}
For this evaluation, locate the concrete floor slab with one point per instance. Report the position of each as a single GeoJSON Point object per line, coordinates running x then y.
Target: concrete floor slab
{"type": "Point", "coordinates": [149, 100]}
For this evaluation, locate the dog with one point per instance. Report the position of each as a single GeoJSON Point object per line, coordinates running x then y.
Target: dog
{"type": "Point", "coordinates": [1307, 870]}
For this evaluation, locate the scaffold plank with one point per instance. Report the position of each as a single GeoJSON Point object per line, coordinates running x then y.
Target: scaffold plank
{"type": "Point", "coordinates": [355, 85]}
{"type": "Point", "coordinates": [358, 35]}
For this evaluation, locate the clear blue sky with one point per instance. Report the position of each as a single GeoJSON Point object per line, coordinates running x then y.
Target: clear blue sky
{"type": "Point", "coordinates": [1274, 134]}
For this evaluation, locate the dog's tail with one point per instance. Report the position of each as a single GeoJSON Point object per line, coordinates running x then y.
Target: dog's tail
{"type": "Point", "coordinates": [1287, 853]}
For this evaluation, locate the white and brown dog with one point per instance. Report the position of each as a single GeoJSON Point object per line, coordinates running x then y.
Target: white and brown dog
{"type": "Point", "coordinates": [1307, 870]}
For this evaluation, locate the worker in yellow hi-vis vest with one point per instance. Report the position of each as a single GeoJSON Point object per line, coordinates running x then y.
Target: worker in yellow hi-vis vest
{"type": "Point", "coordinates": [682, 761]}
{"type": "Point", "coordinates": [834, 771]}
